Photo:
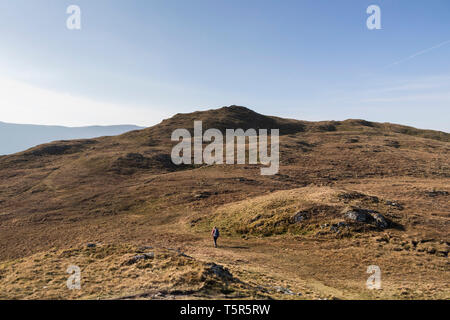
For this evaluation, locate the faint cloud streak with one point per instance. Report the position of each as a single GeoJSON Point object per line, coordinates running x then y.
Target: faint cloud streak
{"type": "Point", "coordinates": [417, 54]}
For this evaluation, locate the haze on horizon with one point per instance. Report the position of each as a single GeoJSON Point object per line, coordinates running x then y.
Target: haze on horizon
{"type": "Point", "coordinates": [141, 61]}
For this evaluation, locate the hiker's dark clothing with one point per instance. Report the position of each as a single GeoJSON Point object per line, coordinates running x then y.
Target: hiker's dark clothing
{"type": "Point", "coordinates": [215, 234]}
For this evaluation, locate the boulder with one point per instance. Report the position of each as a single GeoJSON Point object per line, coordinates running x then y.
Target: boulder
{"type": "Point", "coordinates": [368, 217]}
{"type": "Point", "coordinates": [144, 256]}
{"type": "Point", "coordinates": [436, 193]}
{"type": "Point", "coordinates": [219, 271]}
{"type": "Point", "coordinates": [300, 216]}
{"type": "Point", "coordinates": [284, 290]}
{"type": "Point", "coordinates": [358, 215]}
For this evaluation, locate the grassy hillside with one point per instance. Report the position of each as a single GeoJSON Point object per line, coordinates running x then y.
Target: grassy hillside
{"type": "Point", "coordinates": [123, 192]}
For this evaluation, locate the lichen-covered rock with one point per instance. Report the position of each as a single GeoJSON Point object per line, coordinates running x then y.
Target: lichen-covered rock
{"type": "Point", "coordinates": [358, 215]}
{"type": "Point", "coordinates": [368, 217]}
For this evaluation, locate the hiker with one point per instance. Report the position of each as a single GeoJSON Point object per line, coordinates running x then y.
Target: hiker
{"type": "Point", "coordinates": [215, 234]}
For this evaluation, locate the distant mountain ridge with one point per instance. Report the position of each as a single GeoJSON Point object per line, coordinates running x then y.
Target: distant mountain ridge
{"type": "Point", "coordinates": [19, 137]}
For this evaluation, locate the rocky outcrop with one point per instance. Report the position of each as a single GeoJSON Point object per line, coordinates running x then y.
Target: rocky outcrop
{"type": "Point", "coordinates": [368, 217]}
{"type": "Point", "coordinates": [219, 271]}
{"type": "Point", "coordinates": [300, 216]}
{"type": "Point", "coordinates": [139, 257]}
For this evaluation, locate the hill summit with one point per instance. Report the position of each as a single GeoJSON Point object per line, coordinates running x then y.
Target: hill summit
{"type": "Point", "coordinates": [232, 117]}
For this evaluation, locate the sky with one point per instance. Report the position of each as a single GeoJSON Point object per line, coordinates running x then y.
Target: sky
{"type": "Point", "coordinates": [140, 61]}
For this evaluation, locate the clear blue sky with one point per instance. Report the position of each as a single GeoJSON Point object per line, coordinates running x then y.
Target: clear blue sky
{"type": "Point", "coordinates": [141, 61]}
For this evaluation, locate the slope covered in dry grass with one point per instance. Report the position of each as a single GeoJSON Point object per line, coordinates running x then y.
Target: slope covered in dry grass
{"type": "Point", "coordinates": [124, 191]}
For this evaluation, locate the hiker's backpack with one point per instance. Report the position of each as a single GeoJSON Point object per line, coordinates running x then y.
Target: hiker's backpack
{"type": "Point", "coordinates": [216, 233]}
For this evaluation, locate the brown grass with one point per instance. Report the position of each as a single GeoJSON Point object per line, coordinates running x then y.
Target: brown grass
{"type": "Point", "coordinates": [58, 197]}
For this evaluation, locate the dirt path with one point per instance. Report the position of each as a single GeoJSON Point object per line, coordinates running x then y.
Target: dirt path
{"type": "Point", "coordinates": [324, 269]}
